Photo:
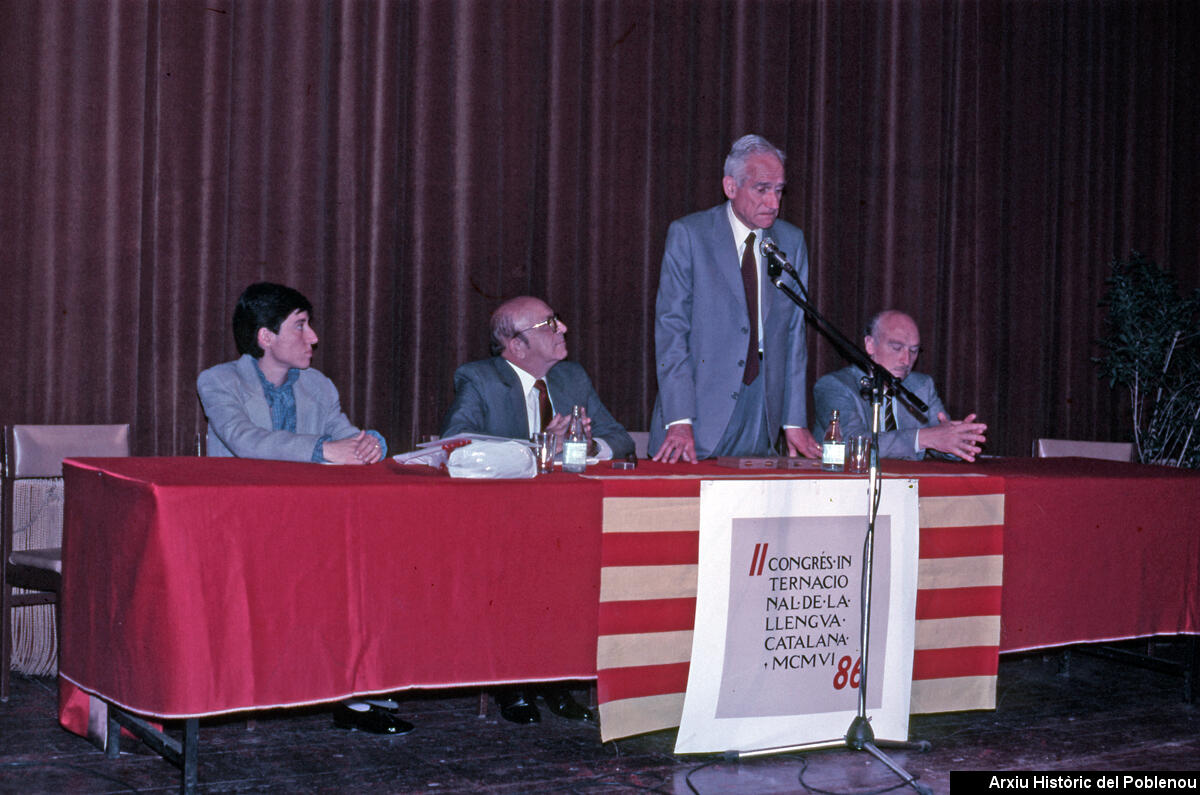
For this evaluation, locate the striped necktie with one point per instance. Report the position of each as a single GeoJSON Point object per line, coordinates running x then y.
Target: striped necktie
{"type": "Point", "coordinates": [889, 415]}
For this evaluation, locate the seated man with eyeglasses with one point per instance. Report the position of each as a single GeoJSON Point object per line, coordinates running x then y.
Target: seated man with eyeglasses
{"type": "Point", "coordinates": [525, 388]}
{"type": "Point", "coordinates": [893, 341]}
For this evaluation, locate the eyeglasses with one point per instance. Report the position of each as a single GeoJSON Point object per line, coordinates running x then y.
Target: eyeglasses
{"type": "Point", "coordinates": [553, 322]}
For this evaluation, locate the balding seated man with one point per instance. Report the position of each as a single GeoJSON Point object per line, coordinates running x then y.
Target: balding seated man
{"type": "Point", "coordinates": [525, 388]}
{"type": "Point", "coordinates": [501, 396]}
{"type": "Point", "coordinates": [893, 342]}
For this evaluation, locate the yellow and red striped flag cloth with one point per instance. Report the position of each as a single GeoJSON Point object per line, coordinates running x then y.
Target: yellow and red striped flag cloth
{"type": "Point", "coordinates": [648, 597]}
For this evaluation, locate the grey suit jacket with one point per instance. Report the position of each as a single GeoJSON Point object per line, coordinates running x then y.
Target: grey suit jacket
{"type": "Point", "coordinates": [488, 399]}
{"type": "Point", "coordinates": [702, 327]}
{"type": "Point", "coordinates": [239, 419]}
{"type": "Point", "coordinates": [840, 390]}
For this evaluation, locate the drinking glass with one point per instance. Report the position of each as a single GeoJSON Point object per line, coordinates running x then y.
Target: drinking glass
{"type": "Point", "coordinates": [544, 447]}
{"type": "Point", "coordinates": [858, 453]}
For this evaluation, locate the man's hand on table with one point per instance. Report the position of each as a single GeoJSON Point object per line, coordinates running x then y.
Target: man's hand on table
{"type": "Point", "coordinates": [360, 449]}
{"type": "Point", "coordinates": [800, 442]}
{"type": "Point", "coordinates": [679, 445]}
{"type": "Point", "coordinates": [956, 437]}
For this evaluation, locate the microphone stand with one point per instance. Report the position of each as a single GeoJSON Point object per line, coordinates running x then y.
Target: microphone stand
{"type": "Point", "coordinates": [877, 383]}
{"type": "Point", "coordinates": [777, 266]}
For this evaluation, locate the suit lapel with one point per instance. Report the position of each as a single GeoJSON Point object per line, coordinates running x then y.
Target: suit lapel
{"type": "Point", "coordinates": [857, 374]}
{"type": "Point", "coordinates": [723, 250]}
{"type": "Point", "coordinates": [256, 403]}
{"type": "Point", "coordinates": [305, 408]}
{"type": "Point", "coordinates": [906, 415]}
{"type": "Point", "coordinates": [514, 399]}
{"type": "Point", "coordinates": [560, 393]}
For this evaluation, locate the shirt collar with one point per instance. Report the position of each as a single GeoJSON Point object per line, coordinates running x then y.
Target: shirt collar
{"type": "Point", "coordinates": [527, 379]}
{"type": "Point", "coordinates": [292, 374]}
{"type": "Point", "coordinates": [740, 230]}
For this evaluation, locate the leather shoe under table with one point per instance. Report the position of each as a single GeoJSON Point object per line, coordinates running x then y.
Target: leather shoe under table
{"type": "Point", "coordinates": [518, 708]}
{"type": "Point", "coordinates": [375, 720]}
{"type": "Point", "coordinates": [560, 702]}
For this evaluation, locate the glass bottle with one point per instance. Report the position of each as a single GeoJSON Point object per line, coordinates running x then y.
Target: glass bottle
{"type": "Point", "coordinates": [575, 444]}
{"type": "Point", "coordinates": [833, 449]}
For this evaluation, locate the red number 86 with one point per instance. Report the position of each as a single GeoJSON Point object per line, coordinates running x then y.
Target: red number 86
{"type": "Point", "coordinates": [844, 673]}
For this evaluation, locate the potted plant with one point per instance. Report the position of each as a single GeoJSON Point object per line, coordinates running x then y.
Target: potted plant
{"type": "Point", "coordinates": [1153, 350]}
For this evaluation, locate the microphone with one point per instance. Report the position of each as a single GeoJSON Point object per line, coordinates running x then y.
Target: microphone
{"type": "Point", "coordinates": [771, 251]}
{"type": "Point", "coordinates": [776, 260]}
{"type": "Point", "coordinates": [774, 263]}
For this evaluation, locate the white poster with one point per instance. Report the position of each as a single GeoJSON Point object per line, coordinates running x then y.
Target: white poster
{"type": "Point", "coordinates": [776, 654]}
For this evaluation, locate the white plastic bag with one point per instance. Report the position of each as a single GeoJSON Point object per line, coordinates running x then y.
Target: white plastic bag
{"type": "Point", "coordinates": [480, 459]}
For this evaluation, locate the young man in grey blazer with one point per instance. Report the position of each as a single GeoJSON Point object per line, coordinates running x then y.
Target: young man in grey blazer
{"type": "Point", "coordinates": [271, 403]}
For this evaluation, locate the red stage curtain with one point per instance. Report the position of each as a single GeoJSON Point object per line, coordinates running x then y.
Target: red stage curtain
{"type": "Point", "coordinates": [408, 164]}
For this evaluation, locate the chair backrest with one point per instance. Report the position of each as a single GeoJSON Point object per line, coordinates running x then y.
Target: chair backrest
{"type": "Point", "coordinates": [1059, 448]}
{"type": "Point", "coordinates": [31, 499]}
{"type": "Point", "coordinates": [37, 451]}
{"type": "Point", "coordinates": [641, 440]}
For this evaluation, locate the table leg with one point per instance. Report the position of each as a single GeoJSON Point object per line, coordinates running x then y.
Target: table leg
{"type": "Point", "coordinates": [184, 754]}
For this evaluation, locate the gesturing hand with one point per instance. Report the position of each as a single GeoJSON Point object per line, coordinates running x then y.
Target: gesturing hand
{"type": "Point", "coordinates": [956, 437]}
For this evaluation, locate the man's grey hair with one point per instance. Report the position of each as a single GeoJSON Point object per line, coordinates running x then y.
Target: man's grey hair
{"type": "Point", "coordinates": [744, 148]}
{"type": "Point", "coordinates": [504, 328]}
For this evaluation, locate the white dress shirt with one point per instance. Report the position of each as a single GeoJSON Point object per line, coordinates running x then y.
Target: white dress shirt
{"type": "Point", "coordinates": [533, 407]}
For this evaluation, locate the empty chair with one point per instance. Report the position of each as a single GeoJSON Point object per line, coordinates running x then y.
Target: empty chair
{"type": "Point", "coordinates": [641, 439]}
{"type": "Point", "coordinates": [1061, 448]}
{"type": "Point", "coordinates": [32, 508]}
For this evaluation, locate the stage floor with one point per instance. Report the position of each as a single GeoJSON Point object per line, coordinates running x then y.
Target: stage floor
{"type": "Point", "coordinates": [1103, 717]}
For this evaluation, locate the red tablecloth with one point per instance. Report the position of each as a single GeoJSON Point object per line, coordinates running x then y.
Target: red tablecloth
{"type": "Point", "coordinates": [199, 586]}
{"type": "Point", "coordinates": [1092, 551]}
{"type": "Point", "coordinates": [648, 590]}
{"type": "Point", "coordinates": [1097, 550]}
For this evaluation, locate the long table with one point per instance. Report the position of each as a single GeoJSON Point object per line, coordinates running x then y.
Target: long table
{"type": "Point", "coordinates": [648, 593]}
{"type": "Point", "coordinates": [196, 587]}
{"type": "Point", "coordinates": [1097, 551]}
{"type": "Point", "coordinates": [1082, 551]}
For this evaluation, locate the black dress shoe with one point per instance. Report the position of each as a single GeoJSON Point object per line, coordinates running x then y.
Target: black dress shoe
{"type": "Point", "coordinates": [560, 702]}
{"type": "Point", "coordinates": [375, 720]}
{"type": "Point", "coordinates": [515, 707]}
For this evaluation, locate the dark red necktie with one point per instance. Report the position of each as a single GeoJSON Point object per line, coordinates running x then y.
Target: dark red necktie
{"type": "Point", "coordinates": [544, 409]}
{"type": "Point", "coordinates": [750, 283]}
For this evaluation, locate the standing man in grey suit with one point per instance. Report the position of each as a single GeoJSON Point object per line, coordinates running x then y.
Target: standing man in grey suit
{"type": "Point", "coordinates": [893, 342]}
{"type": "Point", "coordinates": [730, 348]}
{"type": "Point", "coordinates": [272, 404]}
{"type": "Point", "coordinates": [501, 396]}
